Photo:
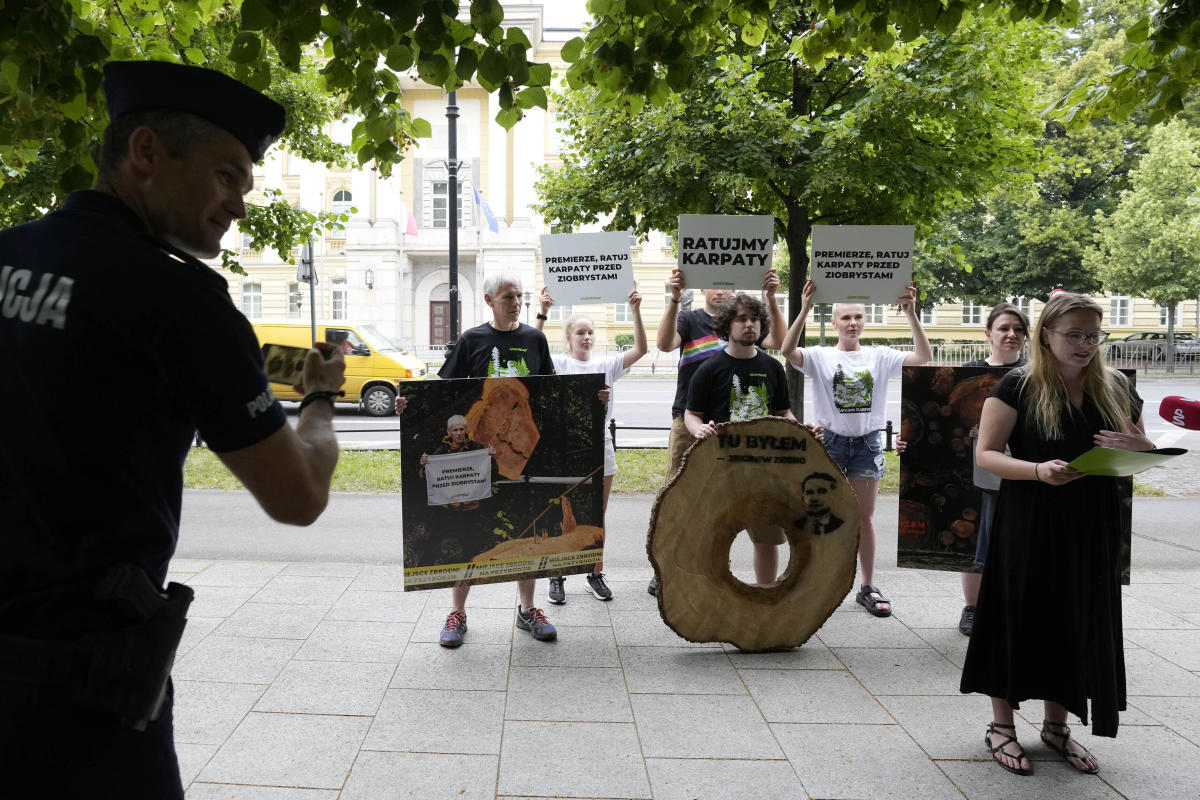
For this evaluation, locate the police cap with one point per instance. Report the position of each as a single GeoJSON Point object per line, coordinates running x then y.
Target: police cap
{"type": "Point", "coordinates": [253, 118]}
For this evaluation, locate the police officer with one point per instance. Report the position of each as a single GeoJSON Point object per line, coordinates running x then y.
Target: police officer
{"type": "Point", "coordinates": [119, 344]}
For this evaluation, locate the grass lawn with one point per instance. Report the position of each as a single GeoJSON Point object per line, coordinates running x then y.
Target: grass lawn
{"type": "Point", "coordinates": [378, 472]}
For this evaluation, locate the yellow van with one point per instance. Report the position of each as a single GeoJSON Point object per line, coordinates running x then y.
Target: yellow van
{"type": "Point", "coordinates": [374, 364]}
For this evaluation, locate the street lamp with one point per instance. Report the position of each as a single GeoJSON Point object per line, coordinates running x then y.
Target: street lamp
{"type": "Point", "coordinates": [528, 297]}
{"type": "Point", "coordinates": [370, 277]}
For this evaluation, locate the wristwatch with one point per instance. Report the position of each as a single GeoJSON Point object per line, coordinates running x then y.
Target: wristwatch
{"type": "Point", "coordinates": [542, 317]}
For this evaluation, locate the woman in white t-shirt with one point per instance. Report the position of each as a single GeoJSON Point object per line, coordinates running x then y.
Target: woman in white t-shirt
{"type": "Point", "coordinates": [850, 384]}
{"type": "Point", "coordinates": [580, 336]}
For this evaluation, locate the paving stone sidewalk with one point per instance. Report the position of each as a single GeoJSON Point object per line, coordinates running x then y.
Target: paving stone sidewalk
{"type": "Point", "coordinates": [305, 681]}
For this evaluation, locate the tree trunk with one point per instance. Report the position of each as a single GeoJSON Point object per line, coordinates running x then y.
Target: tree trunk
{"type": "Point", "coordinates": [798, 230]}
{"type": "Point", "coordinates": [1171, 335]}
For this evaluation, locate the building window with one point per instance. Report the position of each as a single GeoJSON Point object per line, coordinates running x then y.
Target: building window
{"type": "Point", "coordinates": [342, 202]}
{"type": "Point", "coordinates": [1025, 304]}
{"type": "Point", "coordinates": [927, 314]}
{"type": "Point", "coordinates": [441, 204]}
{"type": "Point", "coordinates": [972, 314]}
{"type": "Point", "coordinates": [1162, 315]}
{"type": "Point", "coordinates": [338, 298]}
{"type": "Point", "coordinates": [1118, 314]}
{"type": "Point", "coordinates": [558, 313]}
{"type": "Point", "coordinates": [622, 313]}
{"type": "Point", "coordinates": [822, 312]}
{"type": "Point", "coordinates": [252, 300]}
{"type": "Point", "coordinates": [295, 301]}
{"type": "Point", "coordinates": [874, 313]}
{"type": "Point", "coordinates": [247, 240]}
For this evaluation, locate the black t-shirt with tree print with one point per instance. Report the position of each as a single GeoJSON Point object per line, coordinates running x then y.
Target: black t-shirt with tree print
{"type": "Point", "coordinates": [725, 388]}
{"type": "Point", "coordinates": [484, 352]}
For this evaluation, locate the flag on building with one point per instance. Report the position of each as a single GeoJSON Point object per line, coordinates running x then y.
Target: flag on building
{"type": "Point", "coordinates": [408, 220]}
{"type": "Point", "coordinates": [487, 211]}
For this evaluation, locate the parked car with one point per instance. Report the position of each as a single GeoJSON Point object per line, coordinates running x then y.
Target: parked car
{"type": "Point", "coordinates": [1153, 346]}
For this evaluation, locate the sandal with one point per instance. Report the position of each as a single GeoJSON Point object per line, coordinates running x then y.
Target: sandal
{"type": "Point", "coordinates": [1076, 760]}
{"type": "Point", "coordinates": [998, 750]}
{"type": "Point", "coordinates": [872, 604]}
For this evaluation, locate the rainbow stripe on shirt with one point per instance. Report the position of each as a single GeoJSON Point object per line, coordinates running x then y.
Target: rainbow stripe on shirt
{"type": "Point", "coordinates": [698, 350]}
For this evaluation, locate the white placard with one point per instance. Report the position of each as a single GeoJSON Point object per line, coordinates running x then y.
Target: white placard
{"type": "Point", "coordinates": [719, 251]}
{"type": "Point", "coordinates": [580, 268]}
{"type": "Point", "coordinates": [861, 263]}
{"type": "Point", "coordinates": [458, 477]}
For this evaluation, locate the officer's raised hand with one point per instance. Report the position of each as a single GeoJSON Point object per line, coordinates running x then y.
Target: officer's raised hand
{"type": "Point", "coordinates": [324, 370]}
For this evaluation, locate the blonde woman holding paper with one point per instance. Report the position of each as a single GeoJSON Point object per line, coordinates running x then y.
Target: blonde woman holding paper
{"type": "Point", "coordinates": [1048, 621]}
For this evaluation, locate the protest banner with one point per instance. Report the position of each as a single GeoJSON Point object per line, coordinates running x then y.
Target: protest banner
{"type": "Point", "coordinates": [939, 499]}
{"type": "Point", "coordinates": [543, 513]}
{"type": "Point", "coordinates": [458, 477]}
{"type": "Point", "coordinates": [719, 251]}
{"type": "Point", "coordinates": [861, 263]}
{"type": "Point", "coordinates": [582, 268]}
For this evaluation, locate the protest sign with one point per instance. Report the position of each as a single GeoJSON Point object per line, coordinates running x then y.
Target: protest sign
{"type": "Point", "coordinates": [940, 503]}
{"type": "Point", "coordinates": [458, 477]}
{"type": "Point", "coordinates": [543, 513]}
{"type": "Point", "coordinates": [587, 267]}
{"type": "Point", "coordinates": [718, 251]}
{"type": "Point", "coordinates": [861, 263]}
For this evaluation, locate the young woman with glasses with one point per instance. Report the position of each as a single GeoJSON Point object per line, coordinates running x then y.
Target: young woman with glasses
{"type": "Point", "coordinates": [1048, 621]}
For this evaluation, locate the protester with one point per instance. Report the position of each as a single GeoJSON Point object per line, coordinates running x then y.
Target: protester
{"type": "Point", "coordinates": [850, 387]}
{"type": "Point", "coordinates": [741, 382]}
{"type": "Point", "coordinates": [1006, 331]}
{"type": "Point", "coordinates": [691, 332]}
{"type": "Point", "coordinates": [580, 336]}
{"type": "Point", "coordinates": [1048, 622]}
{"type": "Point", "coordinates": [101, 296]}
{"type": "Point", "coordinates": [501, 347]}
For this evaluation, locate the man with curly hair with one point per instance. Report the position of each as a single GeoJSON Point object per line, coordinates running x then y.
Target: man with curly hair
{"type": "Point", "coordinates": [741, 382]}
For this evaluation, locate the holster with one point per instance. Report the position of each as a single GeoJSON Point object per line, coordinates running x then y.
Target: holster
{"type": "Point", "coordinates": [121, 670]}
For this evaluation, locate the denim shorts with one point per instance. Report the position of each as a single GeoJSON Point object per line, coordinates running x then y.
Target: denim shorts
{"type": "Point", "coordinates": [860, 457]}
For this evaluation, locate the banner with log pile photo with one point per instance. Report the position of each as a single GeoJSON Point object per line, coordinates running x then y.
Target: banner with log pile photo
{"type": "Point", "coordinates": [940, 494]}
{"type": "Point", "coordinates": [502, 479]}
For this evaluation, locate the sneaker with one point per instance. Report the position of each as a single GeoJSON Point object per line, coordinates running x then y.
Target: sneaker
{"type": "Point", "coordinates": [453, 630]}
{"type": "Point", "coordinates": [598, 586]}
{"type": "Point", "coordinates": [967, 621]}
{"type": "Point", "coordinates": [653, 587]}
{"type": "Point", "coordinates": [558, 591]}
{"type": "Point", "coordinates": [536, 623]}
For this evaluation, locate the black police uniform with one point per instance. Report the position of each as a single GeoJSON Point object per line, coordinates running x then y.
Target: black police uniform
{"type": "Point", "coordinates": [117, 348]}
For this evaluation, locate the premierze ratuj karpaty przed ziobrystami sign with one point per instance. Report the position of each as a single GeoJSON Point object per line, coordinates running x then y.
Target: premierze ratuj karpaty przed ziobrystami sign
{"type": "Point", "coordinates": [718, 251]}
{"type": "Point", "coordinates": [582, 268]}
{"type": "Point", "coordinates": [861, 263]}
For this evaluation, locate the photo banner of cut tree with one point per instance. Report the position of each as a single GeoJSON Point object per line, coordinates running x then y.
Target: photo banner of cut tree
{"type": "Point", "coordinates": [582, 268]}
{"type": "Point", "coordinates": [722, 251]}
{"type": "Point", "coordinates": [861, 263]}
{"type": "Point", "coordinates": [544, 514]}
{"type": "Point", "coordinates": [940, 502]}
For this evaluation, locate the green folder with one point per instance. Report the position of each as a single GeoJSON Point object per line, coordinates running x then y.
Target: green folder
{"type": "Point", "coordinates": [1118, 463]}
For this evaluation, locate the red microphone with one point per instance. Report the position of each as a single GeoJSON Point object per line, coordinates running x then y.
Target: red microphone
{"type": "Point", "coordinates": [1181, 411]}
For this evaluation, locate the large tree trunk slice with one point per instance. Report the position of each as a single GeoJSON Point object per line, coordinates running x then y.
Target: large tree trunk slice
{"type": "Point", "coordinates": [750, 475]}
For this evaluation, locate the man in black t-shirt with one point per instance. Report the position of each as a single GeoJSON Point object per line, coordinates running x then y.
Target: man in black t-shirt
{"type": "Point", "coordinates": [741, 382]}
{"type": "Point", "coordinates": [691, 332]}
{"type": "Point", "coordinates": [119, 345]}
{"type": "Point", "coordinates": [501, 348]}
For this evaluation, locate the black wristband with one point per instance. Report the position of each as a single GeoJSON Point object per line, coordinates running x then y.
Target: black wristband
{"type": "Point", "coordinates": [542, 317]}
{"type": "Point", "coordinates": [676, 302]}
{"type": "Point", "coordinates": [322, 395]}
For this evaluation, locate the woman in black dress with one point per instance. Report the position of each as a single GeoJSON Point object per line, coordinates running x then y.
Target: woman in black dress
{"type": "Point", "coordinates": [1048, 622]}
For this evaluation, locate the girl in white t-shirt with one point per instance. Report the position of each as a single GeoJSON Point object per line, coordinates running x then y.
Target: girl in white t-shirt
{"type": "Point", "coordinates": [580, 336]}
{"type": "Point", "coordinates": [849, 400]}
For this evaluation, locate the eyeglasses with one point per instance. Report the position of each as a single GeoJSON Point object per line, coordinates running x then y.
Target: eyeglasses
{"type": "Point", "coordinates": [1076, 338]}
